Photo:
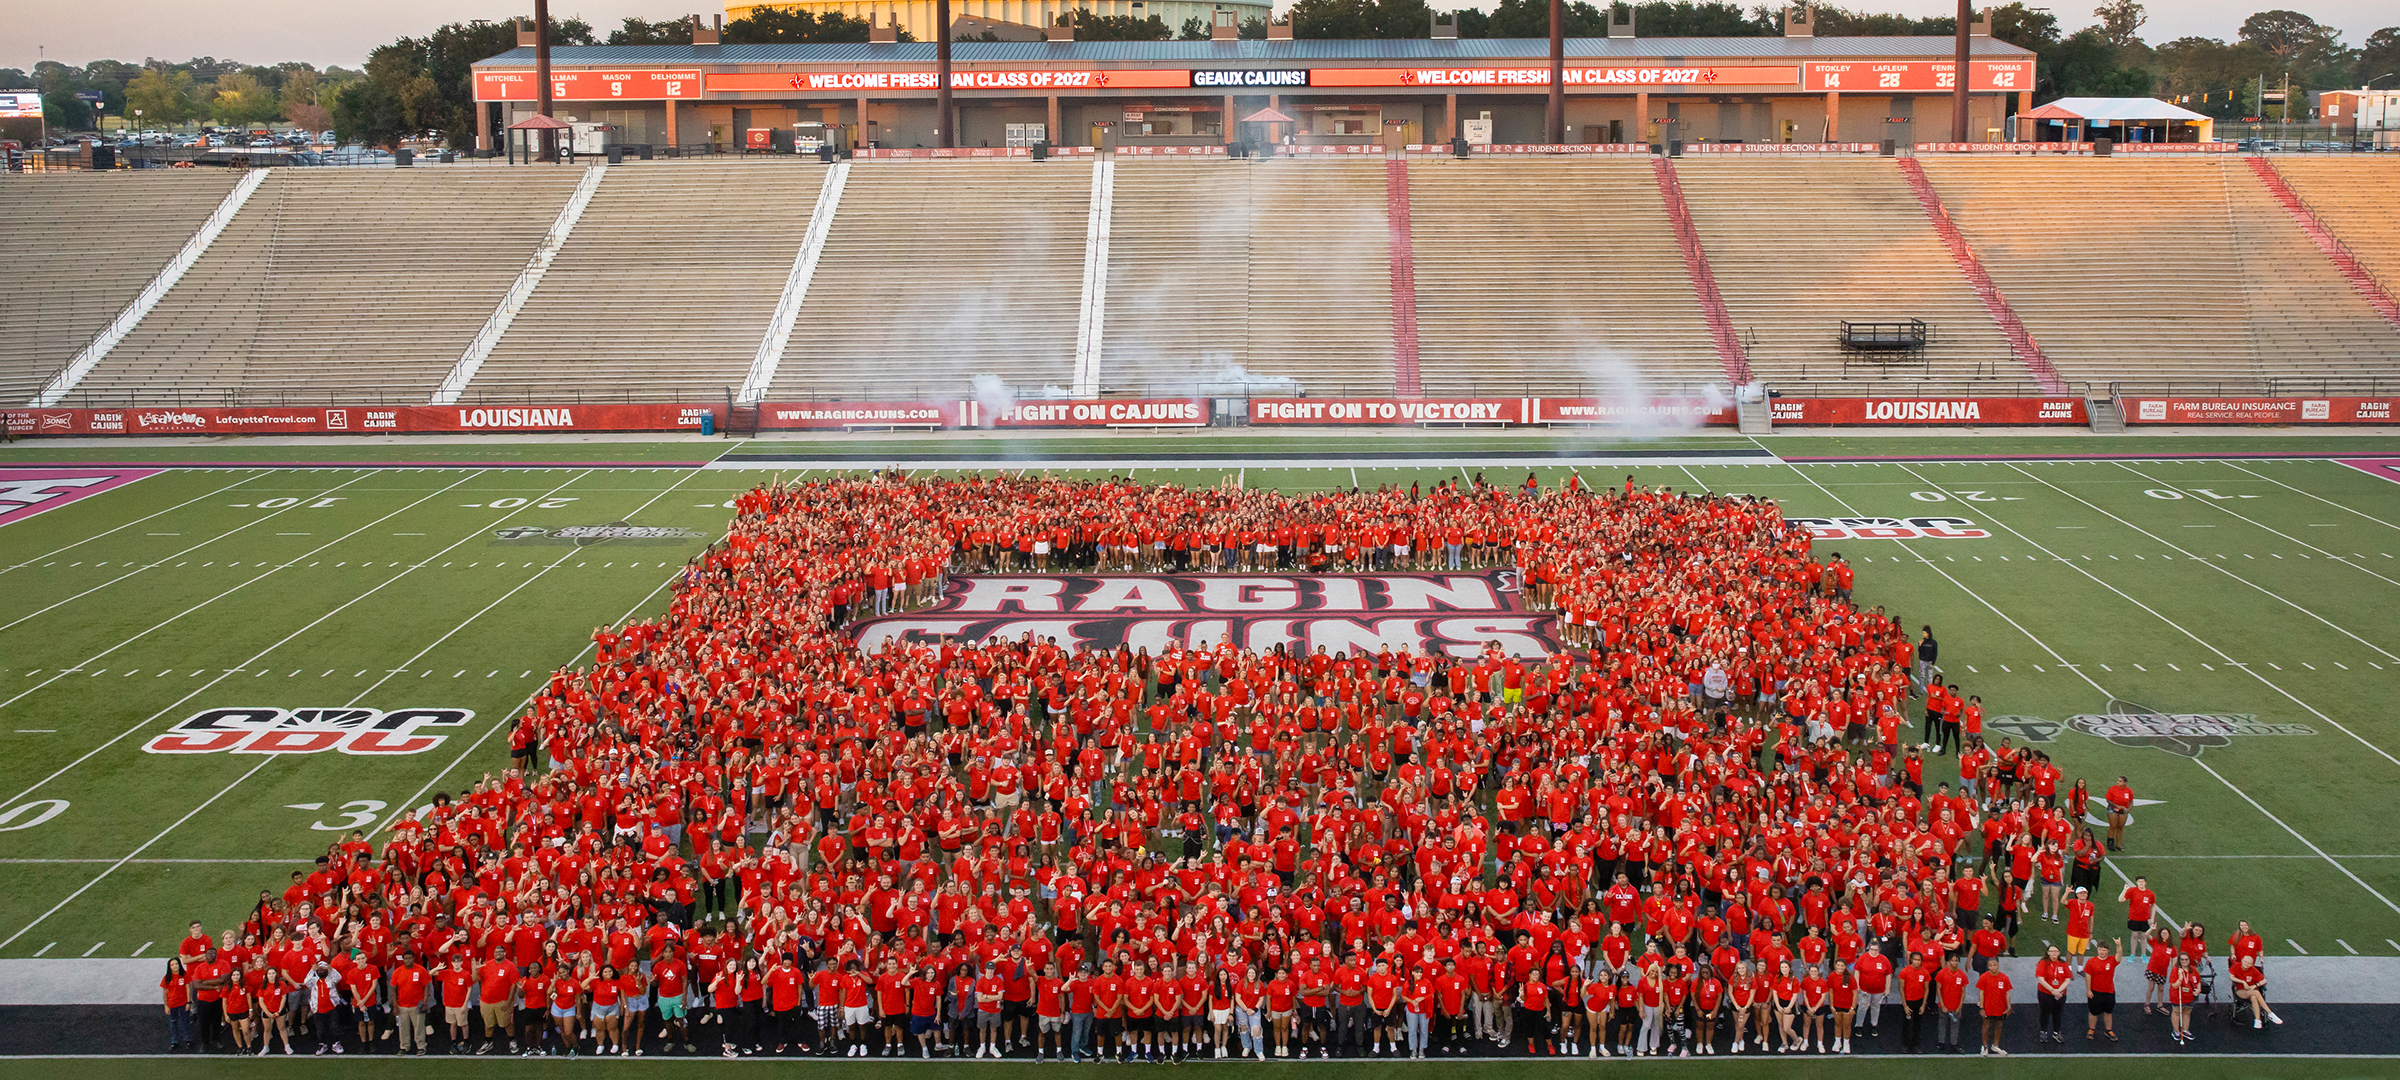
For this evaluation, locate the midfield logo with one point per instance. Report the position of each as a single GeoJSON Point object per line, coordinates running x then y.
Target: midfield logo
{"type": "Point", "coordinates": [2128, 724]}
{"type": "Point", "coordinates": [267, 730]}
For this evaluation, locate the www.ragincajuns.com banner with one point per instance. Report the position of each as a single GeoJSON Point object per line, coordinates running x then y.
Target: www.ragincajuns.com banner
{"type": "Point", "coordinates": [1452, 614]}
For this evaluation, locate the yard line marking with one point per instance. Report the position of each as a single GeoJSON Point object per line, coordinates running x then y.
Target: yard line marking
{"type": "Point", "coordinates": [103, 876]}
{"type": "Point", "coordinates": [2314, 495]}
{"type": "Point", "coordinates": [2394, 944]}
{"type": "Point", "coordinates": [2269, 528]}
{"type": "Point", "coordinates": [2295, 946]}
{"type": "Point", "coordinates": [37, 731]}
{"type": "Point", "coordinates": [287, 639]}
{"type": "Point", "coordinates": [53, 945]}
{"type": "Point", "coordinates": [87, 952]}
{"type": "Point", "coordinates": [2346, 946]}
{"type": "Point", "coordinates": [136, 521]}
{"type": "Point", "coordinates": [137, 953]}
{"type": "Point", "coordinates": [195, 547]}
{"type": "Point", "coordinates": [2094, 684]}
{"type": "Point", "coordinates": [408, 805]}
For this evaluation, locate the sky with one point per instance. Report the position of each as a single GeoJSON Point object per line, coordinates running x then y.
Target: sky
{"type": "Point", "coordinates": [271, 31]}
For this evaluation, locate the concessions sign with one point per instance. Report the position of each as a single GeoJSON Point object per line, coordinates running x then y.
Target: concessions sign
{"type": "Point", "coordinates": [2324, 410]}
{"type": "Point", "coordinates": [1451, 614]}
{"type": "Point", "coordinates": [1943, 411]}
{"type": "Point", "coordinates": [379, 420]}
{"type": "Point", "coordinates": [588, 85]}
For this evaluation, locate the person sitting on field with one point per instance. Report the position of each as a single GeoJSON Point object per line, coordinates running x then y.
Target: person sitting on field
{"type": "Point", "coordinates": [2250, 985]}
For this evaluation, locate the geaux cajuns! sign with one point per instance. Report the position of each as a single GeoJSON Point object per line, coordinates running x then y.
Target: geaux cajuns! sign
{"type": "Point", "coordinates": [1448, 614]}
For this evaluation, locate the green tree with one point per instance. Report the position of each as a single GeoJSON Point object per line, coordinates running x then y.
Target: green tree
{"type": "Point", "coordinates": [2293, 38]}
{"type": "Point", "coordinates": [300, 100]}
{"type": "Point", "coordinates": [777, 26]}
{"type": "Point", "coordinates": [2380, 56]}
{"type": "Point", "coordinates": [2209, 76]}
{"type": "Point", "coordinates": [2088, 65]}
{"type": "Point", "coordinates": [1531, 19]}
{"type": "Point", "coordinates": [2024, 27]}
{"type": "Point", "coordinates": [240, 101]}
{"type": "Point", "coordinates": [1090, 27]}
{"type": "Point", "coordinates": [2121, 22]}
{"type": "Point", "coordinates": [1361, 19]}
{"type": "Point", "coordinates": [369, 112]}
{"type": "Point", "coordinates": [637, 31]}
{"type": "Point", "coordinates": [164, 97]}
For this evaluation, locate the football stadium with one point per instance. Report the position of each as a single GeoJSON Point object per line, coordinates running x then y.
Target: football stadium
{"type": "Point", "coordinates": [887, 557]}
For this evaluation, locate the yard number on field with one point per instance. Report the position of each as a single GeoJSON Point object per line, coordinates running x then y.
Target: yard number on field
{"type": "Point", "coordinates": [42, 810]}
{"type": "Point", "coordinates": [281, 502]}
{"type": "Point", "coordinates": [1963, 496]}
{"type": "Point", "coordinates": [2171, 493]}
{"type": "Point", "coordinates": [361, 813]}
{"type": "Point", "coordinates": [511, 502]}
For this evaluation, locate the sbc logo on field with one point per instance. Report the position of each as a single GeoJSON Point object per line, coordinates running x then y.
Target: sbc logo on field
{"type": "Point", "coordinates": [266, 730]}
{"type": "Point", "coordinates": [2128, 724]}
{"type": "Point", "coordinates": [1884, 528]}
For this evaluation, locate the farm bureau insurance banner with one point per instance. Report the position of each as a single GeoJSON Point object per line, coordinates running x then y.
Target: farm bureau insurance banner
{"type": "Point", "coordinates": [1454, 614]}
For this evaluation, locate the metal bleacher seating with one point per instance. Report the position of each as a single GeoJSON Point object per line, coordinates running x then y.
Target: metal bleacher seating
{"type": "Point", "coordinates": [337, 285]}
{"type": "Point", "coordinates": [1800, 246]}
{"type": "Point", "coordinates": [78, 248]}
{"type": "Point", "coordinates": [664, 288]}
{"type": "Point", "coordinates": [1559, 277]}
{"type": "Point", "coordinates": [935, 273]}
{"type": "Point", "coordinates": [2161, 272]}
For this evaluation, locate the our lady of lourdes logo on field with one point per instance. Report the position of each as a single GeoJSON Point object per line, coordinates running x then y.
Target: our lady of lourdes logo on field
{"type": "Point", "coordinates": [2128, 724]}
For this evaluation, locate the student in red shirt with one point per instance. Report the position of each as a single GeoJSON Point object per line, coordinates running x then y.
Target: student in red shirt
{"type": "Point", "coordinates": [455, 981]}
{"type": "Point", "coordinates": [410, 983]}
{"type": "Point", "coordinates": [2183, 988]}
{"type": "Point", "coordinates": [1949, 1000]}
{"type": "Point", "coordinates": [2120, 805]}
{"type": "Point", "coordinates": [2100, 992]}
{"type": "Point", "coordinates": [2051, 977]}
{"type": "Point", "coordinates": [1993, 986]}
{"type": "Point", "coordinates": [176, 987]}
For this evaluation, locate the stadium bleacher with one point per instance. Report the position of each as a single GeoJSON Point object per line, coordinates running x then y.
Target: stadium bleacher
{"type": "Point", "coordinates": [1799, 246]}
{"type": "Point", "coordinates": [2160, 272]}
{"type": "Point", "coordinates": [1551, 277]}
{"type": "Point", "coordinates": [935, 273]}
{"type": "Point", "coordinates": [78, 249]}
{"type": "Point", "coordinates": [340, 285]}
{"type": "Point", "coordinates": [659, 292]}
{"type": "Point", "coordinates": [1531, 276]}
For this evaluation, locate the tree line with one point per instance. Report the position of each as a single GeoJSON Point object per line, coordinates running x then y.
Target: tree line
{"type": "Point", "coordinates": [423, 85]}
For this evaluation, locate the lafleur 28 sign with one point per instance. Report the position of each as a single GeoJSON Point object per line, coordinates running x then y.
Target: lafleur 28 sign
{"type": "Point", "coordinates": [1454, 614]}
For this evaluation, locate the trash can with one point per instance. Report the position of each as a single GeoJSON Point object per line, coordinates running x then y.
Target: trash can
{"type": "Point", "coordinates": [2104, 147]}
{"type": "Point", "coordinates": [449, 157]}
{"type": "Point", "coordinates": [1675, 148]}
{"type": "Point", "coordinates": [1041, 151]}
{"type": "Point", "coordinates": [616, 155]}
{"type": "Point", "coordinates": [708, 422]}
{"type": "Point", "coordinates": [646, 151]}
{"type": "Point", "coordinates": [404, 157]}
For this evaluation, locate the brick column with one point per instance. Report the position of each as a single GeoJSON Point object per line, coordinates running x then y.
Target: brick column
{"type": "Point", "coordinates": [1833, 116]}
{"type": "Point", "coordinates": [1449, 117]}
{"type": "Point", "coordinates": [862, 124]}
{"type": "Point", "coordinates": [670, 122]}
{"type": "Point", "coordinates": [1052, 137]}
{"type": "Point", "coordinates": [1641, 119]}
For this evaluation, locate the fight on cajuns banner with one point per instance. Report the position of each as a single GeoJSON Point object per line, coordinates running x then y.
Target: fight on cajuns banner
{"type": "Point", "coordinates": [1454, 614]}
{"type": "Point", "coordinates": [369, 420]}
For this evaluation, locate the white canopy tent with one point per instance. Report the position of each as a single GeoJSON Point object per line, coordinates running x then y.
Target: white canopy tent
{"type": "Point", "coordinates": [2124, 119]}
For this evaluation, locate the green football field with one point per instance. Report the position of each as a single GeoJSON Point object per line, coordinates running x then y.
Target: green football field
{"type": "Point", "coordinates": [2220, 630]}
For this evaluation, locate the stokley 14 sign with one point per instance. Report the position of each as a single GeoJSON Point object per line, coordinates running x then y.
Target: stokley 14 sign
{"type": "Point", "coordinates": [263, 729]}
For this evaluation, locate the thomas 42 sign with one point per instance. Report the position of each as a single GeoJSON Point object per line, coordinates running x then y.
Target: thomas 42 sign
{"type": "Point", "coordinates": [259, 729]}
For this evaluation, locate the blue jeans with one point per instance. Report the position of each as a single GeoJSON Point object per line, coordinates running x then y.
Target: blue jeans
{"type": "Point", "coordinates": [179, 1027]}
{"type": "Point", "coordinates": [1416, 1027]}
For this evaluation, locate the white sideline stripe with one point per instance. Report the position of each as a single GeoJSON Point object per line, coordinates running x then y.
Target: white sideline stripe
{"type": "Point", "coordinates": [2319, 498]}
{"type": "Point", "coordinates": [2204, 766]}
{"type": "Point", "coordinates": [408, 805]}
{"type": "Point", "coordinates": [2179, 627]}
{"type": "Point", "coordinates": [795, 286]}
{"type": "Point", "coordinates": [121, 528]}
{"type": "Point", "coordinates": [287, 639]}
{"type": "Point", "coordinates": [114, 867]}
{"type": "Point", "coordinates": [114, 333]}
{"type": "Point", "coordinates": [1091, 319]}
{"type": "Point", "coordinates": [519, 291]}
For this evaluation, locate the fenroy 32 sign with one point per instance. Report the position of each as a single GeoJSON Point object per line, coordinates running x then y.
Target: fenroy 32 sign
{"type": "Point", "coordinates": [1451, 613]}
{"type": "Point", "coordinates": [261, 729]}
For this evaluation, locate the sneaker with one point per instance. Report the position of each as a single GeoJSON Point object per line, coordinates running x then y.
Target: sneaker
{"type": "Point", "coordinates": [1999, 1052]}
{"type": "Point", "coordinates": [2274, 1019]}
{"type": "Point", "coordinates": [337, 1048]}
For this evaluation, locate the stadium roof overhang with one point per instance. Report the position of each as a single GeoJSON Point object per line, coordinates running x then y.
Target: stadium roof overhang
{"type": "Point", "coordinates": [1700, 66]}
{"type": "Point", "coordinates": [2113, 111]}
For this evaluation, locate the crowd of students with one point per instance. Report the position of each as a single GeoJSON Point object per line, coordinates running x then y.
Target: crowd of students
{"type": "Point", "coordinates": [1697, 831]}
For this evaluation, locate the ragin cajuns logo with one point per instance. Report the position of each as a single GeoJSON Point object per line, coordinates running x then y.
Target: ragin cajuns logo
{"type": "Point", "coordinates": [1453, 614]}
{"type": "Point", "coordinates": [2128, 724]}
{"type": "Point", "coordinates": [269, 730]}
